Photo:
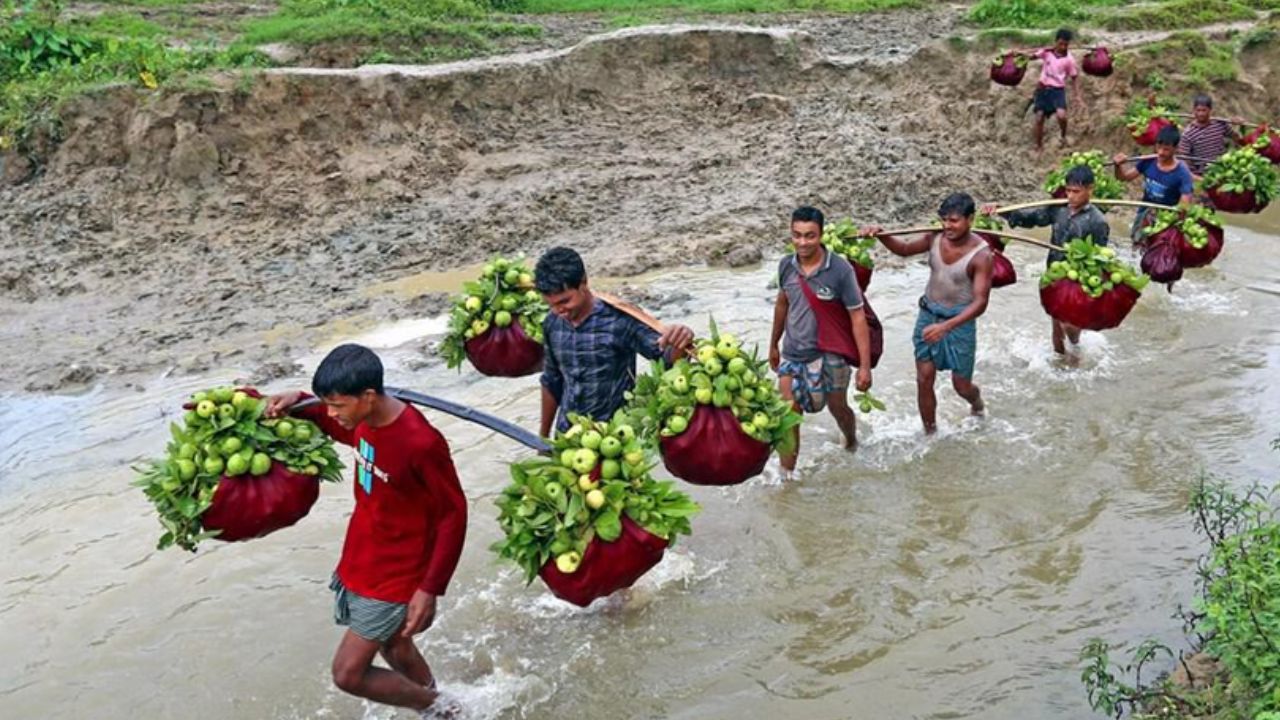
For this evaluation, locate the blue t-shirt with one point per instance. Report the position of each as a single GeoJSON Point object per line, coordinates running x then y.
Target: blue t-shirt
{"type": "Point", "coordinates": [1164, 187]}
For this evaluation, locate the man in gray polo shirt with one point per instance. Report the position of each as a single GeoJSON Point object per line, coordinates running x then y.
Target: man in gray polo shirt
{"type": "Point", "coordinates": [820, 309]}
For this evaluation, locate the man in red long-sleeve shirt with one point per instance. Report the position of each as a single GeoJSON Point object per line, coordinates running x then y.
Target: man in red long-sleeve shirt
{"type": "Point", "coordinates": [405, 536]}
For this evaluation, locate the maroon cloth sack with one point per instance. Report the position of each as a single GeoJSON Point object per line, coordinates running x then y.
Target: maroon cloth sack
{"type": "Point", "coordinates": [1194, 257]}
{"type": "Point", "coordinates": [835, 330]}
{"type": "Point", "coordinates": [1097, 62]}
{"type": "Point", "coordinates": [504, 352]}
{"type": "Point", "coordinates": [1235, 202]}
{"type": "Point", "coordinates": [1002, 271]}
{"type": "Point", "coordinates": [1065, 300]}
{"type": "Point", "coordinates": [863, 274]}
{"type": "Point", "coordinates": [1005, 70]}
{"type": "Point", "coordinates": [1148, 136]}
{"type": "Point", "coordinates": [1272, 150]}
{"type": "Point", "coordinates": [251, 506]}
{"type": "Point", "coordinates": [1161, 259]}
{"type": "Point", "coordinates": [713, 450]}
{"type": "Point", "coordinates": [606, 567]}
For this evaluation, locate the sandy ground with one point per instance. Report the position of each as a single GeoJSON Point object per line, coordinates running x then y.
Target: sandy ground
{"type": "Point", "coordinates": [240, 226]}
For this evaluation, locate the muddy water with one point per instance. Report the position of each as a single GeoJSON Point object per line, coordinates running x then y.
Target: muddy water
{"type": "Point", "coordinates": [951, 578]}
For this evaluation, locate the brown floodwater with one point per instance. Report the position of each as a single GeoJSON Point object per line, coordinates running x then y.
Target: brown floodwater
{"type": "Point", "coordinates": [944, 578]}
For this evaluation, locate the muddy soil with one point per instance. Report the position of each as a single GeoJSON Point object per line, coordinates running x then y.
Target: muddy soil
{"type": "Point", "coordinates": [235, 226]}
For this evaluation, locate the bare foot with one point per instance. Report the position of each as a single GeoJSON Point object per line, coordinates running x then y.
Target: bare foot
{"type": "Point", "coordinates": [849, 443]}
{"type": "Point", "coordinates": [977, 408]}
{"type": "Point", "coordinates": [445, 707]}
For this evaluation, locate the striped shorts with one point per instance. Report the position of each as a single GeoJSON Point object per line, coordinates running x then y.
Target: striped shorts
{"type": "Point", "coordinates": [374, 620]}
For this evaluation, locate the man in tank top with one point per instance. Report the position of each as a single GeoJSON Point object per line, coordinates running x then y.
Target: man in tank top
{"type": "Point", "coordinates": [946, 331]}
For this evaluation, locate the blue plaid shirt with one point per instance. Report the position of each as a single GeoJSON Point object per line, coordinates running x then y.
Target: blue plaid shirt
{"type": "Point", "coordinates": [588, 368]}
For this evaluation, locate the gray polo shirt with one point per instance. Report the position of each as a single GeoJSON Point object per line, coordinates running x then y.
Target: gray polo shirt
{"type": "Point", "coordinates": [834, 278]}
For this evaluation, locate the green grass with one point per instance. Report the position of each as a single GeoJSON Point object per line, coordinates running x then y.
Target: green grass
{"type": "Point", "coordinates": [1035, 13]}
{"type": "Point", "coordinates": [713, 6]}
{"type": "Point", "coordinates": [1178, 14]}
{"type": "Point", "coordinates": [1197, 62]}
{"type": "Point", "coordinates": [117, 24]}
{"type": "Point", "coordinates": [396, 30]}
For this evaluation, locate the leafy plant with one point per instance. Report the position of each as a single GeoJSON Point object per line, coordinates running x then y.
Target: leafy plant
{"type": "Point", "coordinates": [843, 238]}
{"type": "Point", "coordinates": [503, 294]}
{"type": "Point", "coordinates": [1192, 221]}
{"type": "Point", "coordinates": [1106, 185]}
{"type": "Point", "coordinates": [1241, 170]}
{"type": "Point", "coordinates": [1096, 269]}
{"type": "Point", "coordinates": [599, 472]}
{"type": "Point", "coordinates": [720, 375]}
{"type": "Point", "coordinates": [224, 433]}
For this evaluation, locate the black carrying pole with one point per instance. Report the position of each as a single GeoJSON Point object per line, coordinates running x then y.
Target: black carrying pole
{"type": "Point", "coordinates": [496, 424]}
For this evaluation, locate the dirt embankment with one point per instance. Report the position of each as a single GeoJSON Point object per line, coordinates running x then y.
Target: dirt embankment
{"type": "Point", "coordinates": [224, 226]}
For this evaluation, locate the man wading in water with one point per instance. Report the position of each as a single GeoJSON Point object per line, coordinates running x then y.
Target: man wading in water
{"type": "Point", "coordinates": [591, 346]}
{"type": "Point", "coordinates": [821, 310]}
{"type": "Point", "coordinates": [1077, 219]}
{"type": "Point", "coordinates": [946, 332]}
{"type": "Point", "coordinates": [404, 538]}
{"type": "Point", "coordinates": [1166, 180]}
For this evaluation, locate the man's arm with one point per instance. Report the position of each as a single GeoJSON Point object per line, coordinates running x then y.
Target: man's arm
{"type": "Point", "coordinates": [780, 308]}
{"type": "Point", "coordinates": [1027, 217]}
{"type": "Point", "coordinates": [862, 340]}
{"type": "Point", "coordinates": [281, 404]}
{"type": "Point", "coordinates": [1123, 171]}
{"type": "Point", "coordinates": [552, 384]}
{"type": "Point", "coordinates": [448, 506]}
{"type": "Point", "coordinates": [898, 246]}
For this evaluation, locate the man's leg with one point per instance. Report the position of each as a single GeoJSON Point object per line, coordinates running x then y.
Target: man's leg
{"type": "Point", "coordinates": [353, 672]}
{"type": "Point", "coordinates": [967, 390]}
{"type": "Point", "coordinates": [926, 400]}
{"type": "Point", "coordinates": [838, 404]}
{"type": "Point", "coordinates": [1038, 132]}
{"type": "Point", "coordinates": [1061, 114]}
{"type": "Point", "coordinates": [1059, 343]}
{"type": "Point", "coordinates": [788, 462]}
{"type": "Point", "coordinates": [403, 657]}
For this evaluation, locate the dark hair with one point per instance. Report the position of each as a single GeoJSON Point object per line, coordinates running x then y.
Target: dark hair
{"type": "Point", "coordinates": [808, 214]}
{"type": "Point", "coordinates": [1065, 34]}
{"type": "Point", "coordinates": [348, 370]}
{"type": "Point", "coordinates": [957, 204]}
{"type": "Point", "coordinates": [1168, 135]}
{"type": "Point", "coordinates": [1080, 176]}
{"type": "Point", "coordinates": [1202, 100]}
{"type": "Point", "coordinates": [559, 269]}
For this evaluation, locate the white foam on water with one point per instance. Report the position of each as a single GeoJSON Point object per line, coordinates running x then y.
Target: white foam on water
{"type": "Point", "coordinates": [1194, 298]}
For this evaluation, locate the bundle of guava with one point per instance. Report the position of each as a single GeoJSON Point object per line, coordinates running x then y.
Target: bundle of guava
{"type": "Point", "coordinates": [1265, 141]}
{"type": "Point", "coordinates": [1009, 69]}
{"type": "Point", "coordinates": [1145, 121]}
{"type": "Point", "coordinates": [716, 416]}
{"type": "Point", "coordinates": [1106, 186]}
{"type": "Point", "coordinates": [1186, 236]}
{"type": "Point", "coordinates": [1098, 62]}
{"type": "Point", "coordinates": [496, 322]}
{"type": "Point", "coordinates": [1002, 271]}
{"type": "Point", "coordinates": [231, 474]}
{"type": "Point", "coordinates": [1241, 181]}
{"type": "Point", "coordinates": [842, 238]}
{"type": "Point", "coordinates": [1090, 288]}
{"type": "Point", "coordinates": [591, 519]}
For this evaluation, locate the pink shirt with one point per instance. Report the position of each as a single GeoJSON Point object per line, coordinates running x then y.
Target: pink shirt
{"type": "Point", "coordinates": [1055, 70]}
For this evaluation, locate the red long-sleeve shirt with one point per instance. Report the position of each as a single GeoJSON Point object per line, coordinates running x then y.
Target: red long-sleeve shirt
{"type": "Point", "coordinates": [411, 516]}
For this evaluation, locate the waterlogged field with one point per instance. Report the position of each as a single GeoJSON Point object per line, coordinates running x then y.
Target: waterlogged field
{"type": "Point", "coordinates": [957, 577]}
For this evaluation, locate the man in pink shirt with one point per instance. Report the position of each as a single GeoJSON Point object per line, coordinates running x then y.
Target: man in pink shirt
{"type": "Point", "coordinates": [1057, 66]}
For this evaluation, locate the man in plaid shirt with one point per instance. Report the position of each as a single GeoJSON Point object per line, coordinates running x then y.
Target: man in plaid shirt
{"type": "Point", "coordinates": [591, 347]}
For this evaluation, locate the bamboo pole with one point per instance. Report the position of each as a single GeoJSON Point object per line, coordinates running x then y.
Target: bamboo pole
{"type": "Point", "coordinates": [998, 233]}
{"type": "Point", "coordinates": [1063, 201]}
{"type": "Point", "coordinates": [1153, 156]}
{"type": "Point", "coordinates": [1227, 120]}
{"type": "Point", "coordinates": [639, 314]}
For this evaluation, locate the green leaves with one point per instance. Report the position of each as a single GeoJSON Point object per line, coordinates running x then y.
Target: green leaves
{"type": "Point", "coordinates": [1243, 170]}
{"type": "Point", "coordinates": [181, 485]}
{"type": "Point", "coordinates": [1106, 185]}
{"type": "Point", "coordinates": [1096, 269]}
{"type": "Point", "coordinates": [547, 510]}
{"type": "Point", "coordinates": [505, 286]}
{"type": "Point", "coordinates": [1192, 221]}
